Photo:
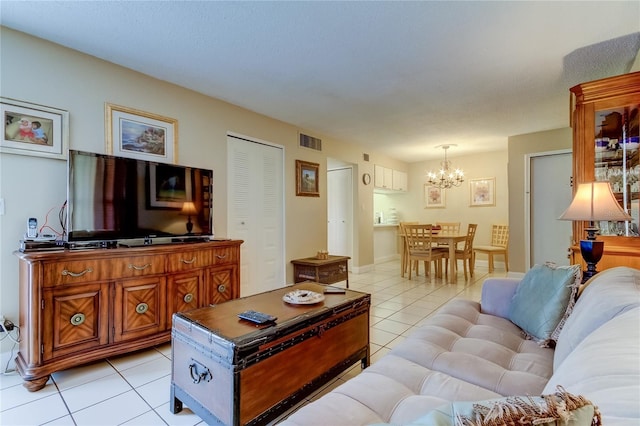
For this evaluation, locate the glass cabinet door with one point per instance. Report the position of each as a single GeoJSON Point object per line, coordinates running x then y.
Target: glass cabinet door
{"type": "Point", "coordinates": [617, 137]}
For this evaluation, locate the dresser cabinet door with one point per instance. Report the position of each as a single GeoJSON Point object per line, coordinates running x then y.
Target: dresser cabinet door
{"type": "Point", "coordinates": [184, 292]}
{"type": "Point", "coordinates": [74, 319]}
{"type": "Point", "coordinates": [221, 284]}
{"type": "Point", "coordinates": [139, 308]}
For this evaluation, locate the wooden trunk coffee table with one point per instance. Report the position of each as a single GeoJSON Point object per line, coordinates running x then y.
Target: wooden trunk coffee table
{"type": "Point", "coordinates": [230, 371]}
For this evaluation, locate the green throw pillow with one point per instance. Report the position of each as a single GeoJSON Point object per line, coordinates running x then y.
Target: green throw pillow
{"type": "Point", "coordinates": [544, 299]}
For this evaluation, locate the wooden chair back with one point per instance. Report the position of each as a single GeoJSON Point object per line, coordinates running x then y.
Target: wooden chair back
{"type": "Point", "coordinates": [471, 234]}
{"type": "Point", "coordinates": [449, 227]}
{"type": "Point", "coordinates": [500, 236]}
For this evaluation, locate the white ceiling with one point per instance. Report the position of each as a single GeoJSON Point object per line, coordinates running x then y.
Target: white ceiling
{"type": "Point", "coordinates": [398, 77]}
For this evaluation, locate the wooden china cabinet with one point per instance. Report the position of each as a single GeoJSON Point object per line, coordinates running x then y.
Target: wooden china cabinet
{"type": "Point", "coordinates": [83, 305]}
{"type": "Point", "coordinates": [606, 135]}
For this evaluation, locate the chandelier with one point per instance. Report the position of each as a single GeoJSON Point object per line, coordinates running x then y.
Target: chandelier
{"type": "Point", "coordinates": [446, 177]}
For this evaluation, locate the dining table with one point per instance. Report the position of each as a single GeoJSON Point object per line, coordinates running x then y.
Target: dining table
{"type": "Point", "coordinates": [450, 239]}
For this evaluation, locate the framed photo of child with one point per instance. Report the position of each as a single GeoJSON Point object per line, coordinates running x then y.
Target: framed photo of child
{"type": "Point", "coordinates": [32, 129]}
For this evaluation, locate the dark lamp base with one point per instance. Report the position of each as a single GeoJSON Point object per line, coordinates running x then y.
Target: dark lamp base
{"type": "Point", "coordinates": [591, 253]}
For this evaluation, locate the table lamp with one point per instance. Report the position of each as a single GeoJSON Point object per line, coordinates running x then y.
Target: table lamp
{"type": "Point", "coordinates": [593, 201]}
{"type": "Point", "coordinates": [189, 209]}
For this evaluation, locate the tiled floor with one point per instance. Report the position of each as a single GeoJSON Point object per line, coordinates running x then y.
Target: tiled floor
{"type": "Point", "coordinates": [134, 389]}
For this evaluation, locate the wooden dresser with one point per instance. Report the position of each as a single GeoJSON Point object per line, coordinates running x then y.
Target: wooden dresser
{"type": "Point", "coordinates": [83, 305]}
{"type": "Point", "coordinates": [605, 122]}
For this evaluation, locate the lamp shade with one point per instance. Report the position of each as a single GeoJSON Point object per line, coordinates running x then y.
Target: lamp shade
{"type": "Point", "coordinates": [189, 209]}
{"type": "Point", "coordinates": [594, 201]}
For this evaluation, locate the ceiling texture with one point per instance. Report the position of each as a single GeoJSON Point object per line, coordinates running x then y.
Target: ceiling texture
{"type": "Point", "coordinates": [399, 77]}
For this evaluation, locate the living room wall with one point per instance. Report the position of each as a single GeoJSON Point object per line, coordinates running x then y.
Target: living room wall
{"type": "Point", "coordinates": [37, 71]}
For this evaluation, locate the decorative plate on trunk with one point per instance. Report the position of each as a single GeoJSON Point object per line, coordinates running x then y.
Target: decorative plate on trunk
{"type": "Point", "coordinates": [303, 297]}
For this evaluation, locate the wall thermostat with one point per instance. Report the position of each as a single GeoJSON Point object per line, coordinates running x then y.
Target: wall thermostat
{"type": "Point", "coordinates": [366, 178]}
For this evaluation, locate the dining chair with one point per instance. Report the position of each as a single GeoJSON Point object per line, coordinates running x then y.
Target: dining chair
{"type": "Point", "coordinates": [420, 248]}
{"type": "Point", "coordinates": [499, 245]}
{"type": "Point", "coordinates": [403, 251]}
{"type": "Point", "coordinates": [465, 254]}
{"type": "Point", "coordinates": [448, 228]}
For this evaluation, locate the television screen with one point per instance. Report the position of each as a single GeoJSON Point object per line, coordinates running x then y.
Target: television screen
{"type": "Point", "coordinates": [116, 198]}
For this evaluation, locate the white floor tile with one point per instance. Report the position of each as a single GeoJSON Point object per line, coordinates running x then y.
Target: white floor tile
{"type": "Point", "coordinates": [156, 392]}
{"type": "Point", "coordinates": [36, 412]}
{"type": "Point", "coordinates": [84, 374]}
{"type": "Point", "coordinates": [147, 372]}
{"type": "Point", "coordinates": [91, 393]}
{"type": "Point", "coordinates": [131, 360]}
{"type": "Point", "coordinates": [116, 410]}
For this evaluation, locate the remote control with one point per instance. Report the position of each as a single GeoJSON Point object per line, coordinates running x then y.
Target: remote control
{"type": "Point", "coordinates": [334, 290]}
{"type": "Point", "coordinates": [257, 317]}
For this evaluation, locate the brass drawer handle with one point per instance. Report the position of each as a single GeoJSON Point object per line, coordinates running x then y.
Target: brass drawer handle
{"type": "Point", "coordinates": [139, 268]}
{"type": "Point", "coordinates": [188, 262]}
{"type": "Point", "coordinates": [142, 308]}
{"type": "Point", "coordinates": [222, 288]}
{"type": "Point", "coordinates": [77, 319]}
{"type": "Point", "coordinates": [188, 298]}
{"type": "Point", "coordinates": [76, 274]}
{"type": "Point", "coordinates": [221, 256]}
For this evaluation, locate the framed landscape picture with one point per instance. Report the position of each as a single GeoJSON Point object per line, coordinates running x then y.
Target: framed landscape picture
{"type": "Point", "coordinates": [307, 184]}
{"type": "Point", "coordinates": [31, 129]}
{"type": "Point", "coordinates": [434, 197]}
{"type": "Point", "coordinates": [143, 135]}
{"type": "Point", "coordinates": [482, 192]}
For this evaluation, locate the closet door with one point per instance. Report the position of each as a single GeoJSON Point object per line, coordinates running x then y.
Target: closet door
{"type": "Point", "coordinates": [255, 212]}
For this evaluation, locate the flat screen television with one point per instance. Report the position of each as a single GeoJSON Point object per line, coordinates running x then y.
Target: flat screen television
{"type": "Point", "coordinates": [121, 199]}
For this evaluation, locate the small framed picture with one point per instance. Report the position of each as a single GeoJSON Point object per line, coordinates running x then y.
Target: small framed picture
{"type": "Point", "coordinates": [434, 197]}
{"type": "Point", "coordinates": [169, 187]}
{"type": "Point", "coordinates": [482, 192]}
{"type": "Point", "coordinates": [31, 129]}
{"type": "Point", "coordinates": [142, 135]}
{"type": "Point", "coordinates": [307, 176]}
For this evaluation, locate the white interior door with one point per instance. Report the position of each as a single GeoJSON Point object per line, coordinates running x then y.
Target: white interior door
{"type": "Point", "coordinates": [255, 212]}
{"type": "Point", "coordinates": [340, 211]}
{"type": "Point", "coordinates": [550, 195]}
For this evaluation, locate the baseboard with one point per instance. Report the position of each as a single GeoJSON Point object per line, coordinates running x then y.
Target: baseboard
{"type": "Point", "coordinates": [362, 269]}
{"type": "Point", "coordinates": [388, 258]}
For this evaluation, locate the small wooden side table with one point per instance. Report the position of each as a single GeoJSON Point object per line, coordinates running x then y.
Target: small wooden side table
{"type": "Point", "coordinates": [325, 271]}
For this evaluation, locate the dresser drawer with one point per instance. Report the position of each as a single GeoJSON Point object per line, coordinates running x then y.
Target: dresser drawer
{"type": "Point", "coordinates": [189, 260]}
{"type": "Point", "coordinates": [224, 255]}
{"type": "Point", "coordinates": [91, 270]}
{"type": "Point", "coordinates": [74, 272]}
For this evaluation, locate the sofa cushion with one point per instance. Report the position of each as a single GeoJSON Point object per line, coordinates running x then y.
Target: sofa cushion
{"type": "Point", "coordinates": [605, 367]}
{"type": "Point", "coordinates": [458, 354]}
{"type": "Point", "coordinates": [608, 294]}
{"type": "Point", "coordinates": [543, 300]}
{"type": "Point", "coordinates": [559, 408]}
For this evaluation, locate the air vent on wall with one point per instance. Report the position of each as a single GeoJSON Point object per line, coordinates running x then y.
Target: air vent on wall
{"type": "Point", "coordinates": [310, 142]}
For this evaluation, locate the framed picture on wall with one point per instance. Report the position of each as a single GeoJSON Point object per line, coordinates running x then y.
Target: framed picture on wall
{"type": "Point", "coordinates": [434, 197]}
{"type": "Point", "coordinates": [307, 177]}
{"type": "Point", "coordinates": [482, 192]}
{"type": "Point", "coordinates": [143, 135]}
{"type": "Point", "coordinates": [31, 129]}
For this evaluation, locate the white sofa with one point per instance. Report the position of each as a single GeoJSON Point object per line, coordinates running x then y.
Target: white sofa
{"type": "Point", "coordinates": [469, 352]}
